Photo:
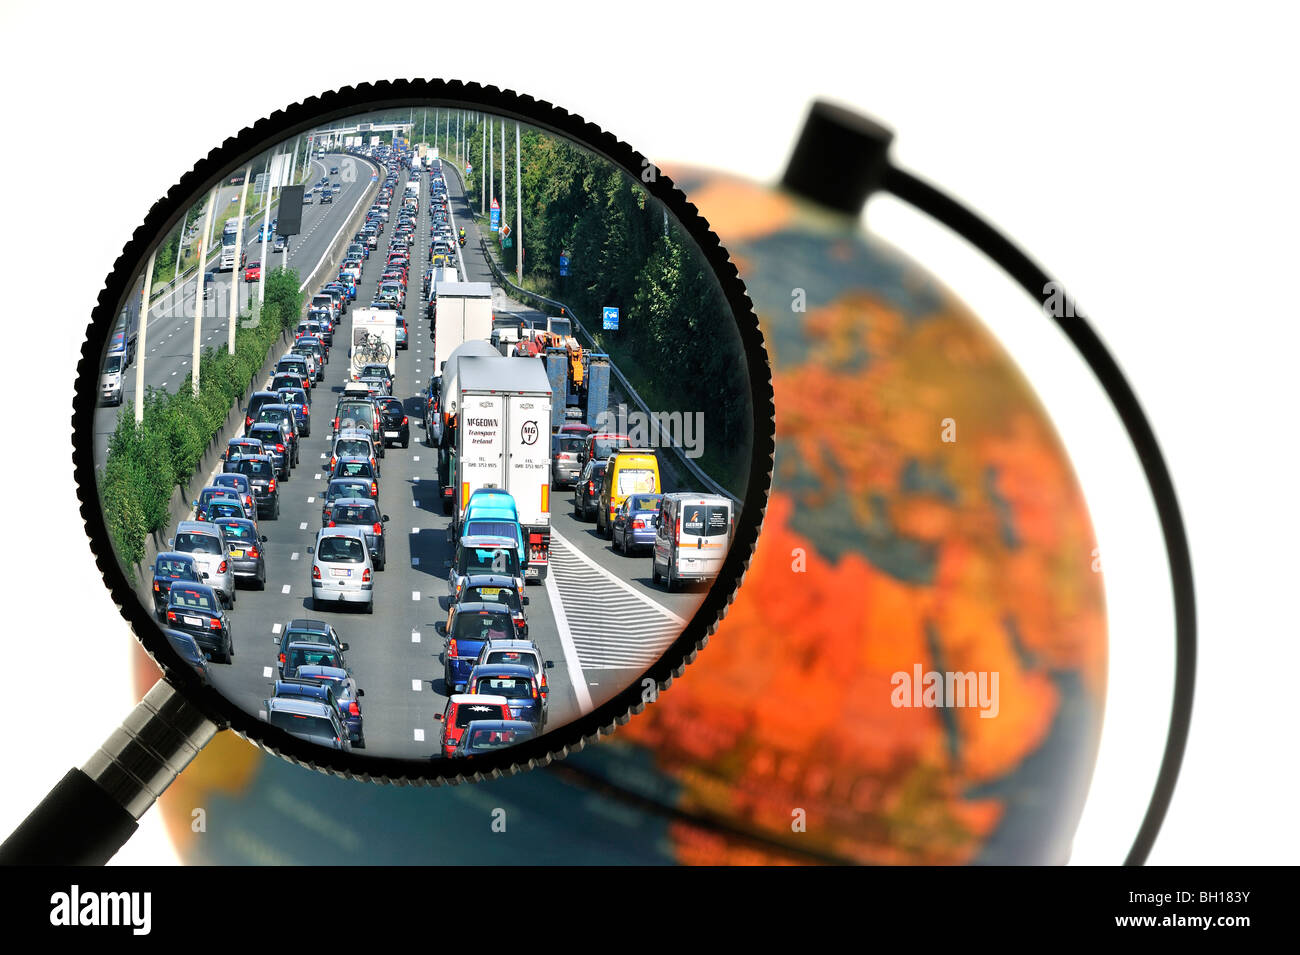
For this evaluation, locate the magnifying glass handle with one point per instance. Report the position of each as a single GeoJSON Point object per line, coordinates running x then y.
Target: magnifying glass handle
{"type": "Point", "coordinates": [94, 810]}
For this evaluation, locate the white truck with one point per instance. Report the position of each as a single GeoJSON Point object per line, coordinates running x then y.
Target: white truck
{"type": "Point", "coordinates": [501, 437]}
{"type": "Point", "coordinates": [230, 258]}
{"type": "Point", "coordinates": [462, 311]}
{"type": "Point", "coordinates": [447, 382]}
{"type": "Point", "coordinates": [373, 340]}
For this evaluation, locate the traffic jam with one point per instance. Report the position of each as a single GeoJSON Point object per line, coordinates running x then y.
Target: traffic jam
{"type": "Point", "coordinates": [419, 547]}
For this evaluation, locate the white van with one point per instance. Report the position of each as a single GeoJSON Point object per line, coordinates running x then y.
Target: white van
{"type": "Point", "coordinates": [692, 537]}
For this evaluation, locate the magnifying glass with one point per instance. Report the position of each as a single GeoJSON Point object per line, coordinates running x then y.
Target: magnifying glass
{"type": "Point", "coordinates": [916, 668]}
{"type": "Point", "coordinates": [380, 500]}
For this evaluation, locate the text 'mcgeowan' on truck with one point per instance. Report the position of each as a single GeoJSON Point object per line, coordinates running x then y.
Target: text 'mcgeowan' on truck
{"type": "Point", "coordinates": [500, 437]}
{"type": "Point", "coordinates": [373, 340]}
{"type": "Point", "coordinates": [462, 312]}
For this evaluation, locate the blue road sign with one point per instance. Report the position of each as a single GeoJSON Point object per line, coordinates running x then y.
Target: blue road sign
{"type": "Point", "coordinates": [496, 216]}
{"type": "Point", "coordinates": [609, 318]}
{"type": "Point", "coordinates": [564, 265]}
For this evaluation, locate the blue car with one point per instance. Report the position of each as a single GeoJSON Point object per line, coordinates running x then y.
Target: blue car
{"type": "Point", "coordinates": [469, 627]}
{"type": "Point", "coordinates": [295, 398]}
{"type": "Point", "coordinates": [489, 522]}
{"type": "Point", "coordinates": [331, 685]}
{"type": "Point", "coordinates": [517, 683]}
{"type": "Point", "coordinates": [492, 512]}
{"type": "Point", "coordinates": [635, 522]}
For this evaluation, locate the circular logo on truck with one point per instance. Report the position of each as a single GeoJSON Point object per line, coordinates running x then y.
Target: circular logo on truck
{"type": "Point", "coordinates": [528, 433]}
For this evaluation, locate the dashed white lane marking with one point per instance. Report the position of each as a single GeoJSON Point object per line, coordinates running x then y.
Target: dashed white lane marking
{"type": "Point", "coordinates": [415, 530]}
{"type": "Point", "coordinates": [276, 628]}
{"type": "Point", "coordinates": [322, 455]}
{"type": "Point", "coordinates": [417, 458]}
{"type": "Point", "coordinates": [415, 636]}
{"type": "Point", "coordinates": [318, 477]}
{"type": "Point", "coordinates": [284, 589]}
{"type": "Point", "coordinates": [302, 526]}
{"type": "Point", "coordinates": [415, 595]}
{"type": "Point", "coordinates": [293, 556]}
{"type": "Point", "coordinates": [419, 736]}
{"type": "Point", "coordinates": [416, 479]}
{"type": "Point", "coordinates": [266, 672]}
{"type": "Point", "coordinates": [311, 500]}
{"type": "Point", "coordinates": [417, 685]}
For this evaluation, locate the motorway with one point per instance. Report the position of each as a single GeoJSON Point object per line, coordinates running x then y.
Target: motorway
{"type": "Point", "coordinates": [597, 616]}
{"type": "Point", "coordinates": [170, 340]}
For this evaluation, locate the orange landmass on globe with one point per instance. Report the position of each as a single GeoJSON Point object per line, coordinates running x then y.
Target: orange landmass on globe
{"type": "Point", "coordinates": [790, 706]}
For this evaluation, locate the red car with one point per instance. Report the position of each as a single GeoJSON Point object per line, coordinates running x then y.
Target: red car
{"type": "Point", "coordinates": [463, 709]}
{"type": "Point", "coordinates": [253, 272]}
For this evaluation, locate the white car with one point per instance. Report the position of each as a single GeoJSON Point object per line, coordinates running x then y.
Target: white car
{"type": "Point", "coordinates": [110, 382]}
{"type": "Point", "coordinates": [342, 570]}
{"type": "Point", "coordinates": [207, 545]}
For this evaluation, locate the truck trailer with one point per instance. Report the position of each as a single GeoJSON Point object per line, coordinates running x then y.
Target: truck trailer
{"type": "Point", "coordinates": [462, 312]}
{"type": "Point", "coordinates": [501, 437]}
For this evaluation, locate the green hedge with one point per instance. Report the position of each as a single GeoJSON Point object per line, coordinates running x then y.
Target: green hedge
{"type": "Point", "coordinates": [147, 461]}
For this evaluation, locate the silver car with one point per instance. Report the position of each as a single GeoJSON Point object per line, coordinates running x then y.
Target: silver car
{"type": "Point", "coordinates": [207, 545]}
{"type": "Point", "coordinates": [342, 569]}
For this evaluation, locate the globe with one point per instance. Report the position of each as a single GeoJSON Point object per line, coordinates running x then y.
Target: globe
{"type": "Point", "coordinates": [913, 671]}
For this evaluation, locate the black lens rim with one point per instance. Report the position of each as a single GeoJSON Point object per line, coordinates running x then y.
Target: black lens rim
{"type": "Point", "coordinates": [232, 154]}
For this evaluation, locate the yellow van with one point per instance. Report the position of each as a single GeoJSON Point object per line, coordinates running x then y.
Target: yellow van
{"type": "Point", "coordinates": [629, 471]}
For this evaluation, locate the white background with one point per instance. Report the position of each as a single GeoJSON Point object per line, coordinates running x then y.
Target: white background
{"type": "Point", "coordinates": [1147, 156]}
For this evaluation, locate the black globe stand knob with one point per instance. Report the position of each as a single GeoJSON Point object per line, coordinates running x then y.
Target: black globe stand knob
{"type": "Point", "coordinates": [839, 159]}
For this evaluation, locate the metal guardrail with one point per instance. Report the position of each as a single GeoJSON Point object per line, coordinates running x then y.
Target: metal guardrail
{"type": "Point", "coordinates": [631, 392]}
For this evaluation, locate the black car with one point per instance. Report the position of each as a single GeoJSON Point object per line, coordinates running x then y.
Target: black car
{"type": "Point", "coordinates": [283, 417]}
{"type": "Point", "coordinates": [169, 567]}
{"type": "Point", "coordinates": [260, 470]}
{"type": "Point", "coordinates": [396, 425]}
{"type": "Point", "coordinates": [586, 492]}
{"type": "Point", "coordinates": [196, 609]}
{"type": "Point", "coordinates": [237, 448]}
{"type": "Point", "coordinates": [301, 653]}
{"type": "Point", "coordinates": [362, 512]}
{"type": "Point", "coordinates": [305, 631]}
{"type": "Point", "coordinates": [326, 197]}
{"type": "Point", "coordinates": [272, 439]}
{"type": "Point", "coordinates": [340, 488]}
{"type": "Point", "coordinates": [188, 649]}
{"type": "Point", "coordinates": [256, 402]}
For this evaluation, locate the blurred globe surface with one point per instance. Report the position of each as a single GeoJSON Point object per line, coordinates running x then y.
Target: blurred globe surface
{"type": "Point", "coordinates": [924, 518]}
